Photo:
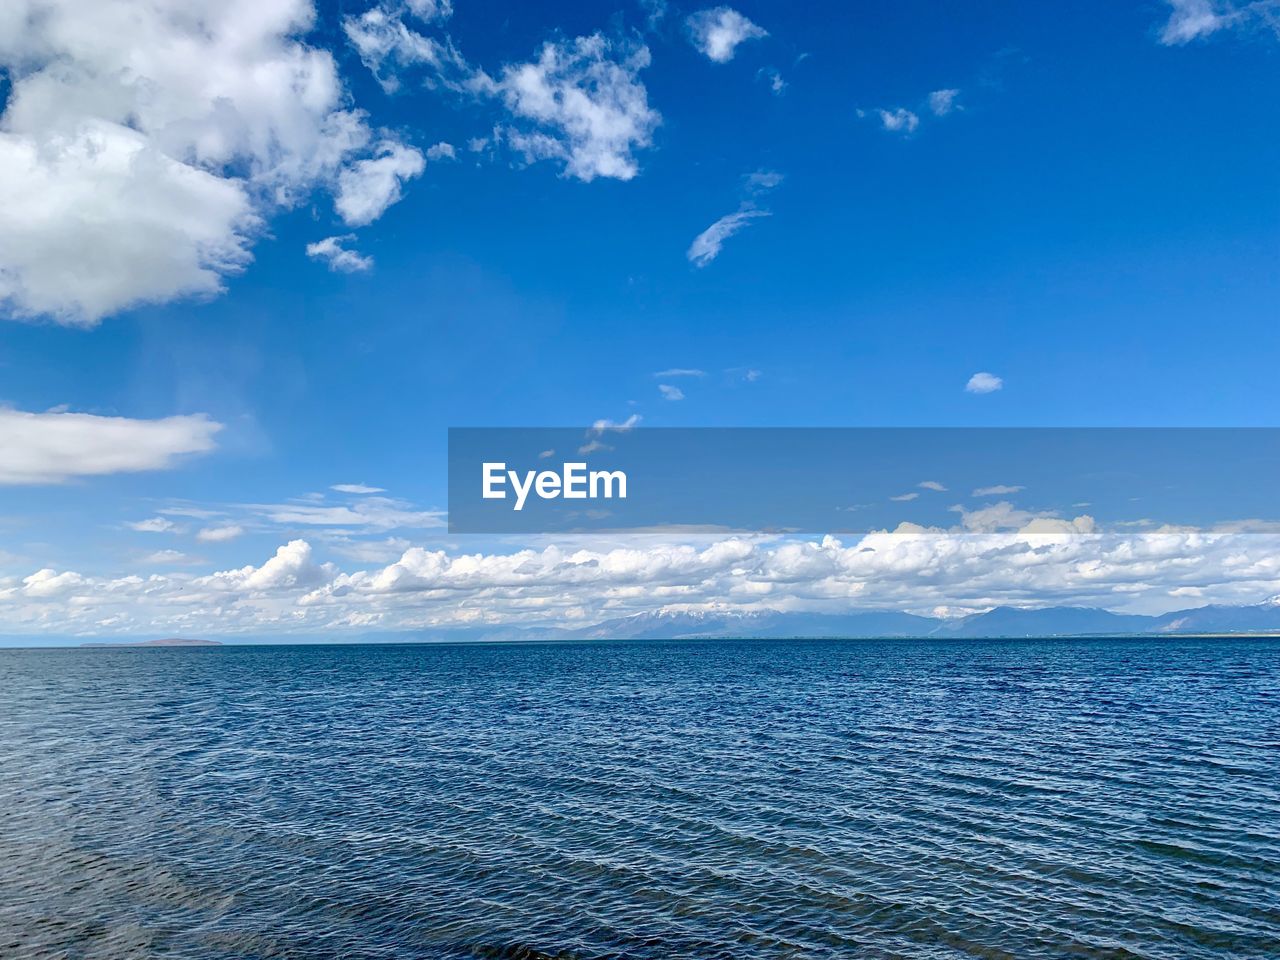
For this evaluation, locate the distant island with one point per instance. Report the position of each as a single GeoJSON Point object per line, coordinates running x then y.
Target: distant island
{"type": "Point", "coordinates": [167, 642]}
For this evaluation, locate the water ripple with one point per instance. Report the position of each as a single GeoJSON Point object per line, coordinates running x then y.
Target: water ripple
{"type": "Point", "coordinates": [1066, 799]}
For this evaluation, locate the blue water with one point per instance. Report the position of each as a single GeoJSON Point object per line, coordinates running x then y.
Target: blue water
{"type": "Point", "coordinates": [1010, 799]}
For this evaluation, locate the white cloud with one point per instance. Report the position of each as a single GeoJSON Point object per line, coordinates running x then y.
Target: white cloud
{"type": "Point", "coordinates": [368, 187]}
{"type": "Point", "coordinates": [772, 77]}
{"type": "Point", "coordinates": [762, 181]}
{"type": "Point", "coordinates": [55, 447]}
{"type": "Point", "coordinates": [291, 567]}
{"type": "Point", "coordinates": [167, 557]}
{"type": "Point", "coordinates": [442, 151]}
{"type": "Point", "coordinates": [48, 583]}
{"type": "Point", "coordinates": [1192, 19]}
{"type": "Point", "coordinates": [152, 525]}
{"type": "Point", "coordinates": [670, 392]}
{"type": "Point", "coordinates": [931, 485]}
{"type": "Point", "coordinates": [942, 102]}
{"type": "Point", "coordinates": [1007, 557]}
{"type": "Point", "coordinates": [706, 245]}
{"type": "Point", "coordinates": [220, 534]}
{"type": "Point", "coordinates": [983, 382]}
{"type": "Point", "coordinates": [905, 497]}
{"type": "Point", "coordinates": [679, 372]}
{"type": "Point", "coordinates": [900, 120]}
{"type": "Point", "coordinates": [583, 104]}
{"type": "Point", "coordinates": [386, 44]}
{"type": "Point", "coordinates": [360, 488]}
{"type": "Point", "coordinates": [1000, 489]}
{"type": "Point", "coordinates": [143, 144]}
{"type": "Point", "coordinates": [1196, 19]}
{"type": "Point", "coordinates": [603, 426]}
{"type": "Point", "coordinates": [717, 32]}
{"type": "Point", "coordinates": [428, 10]}
{"type": "Point", "coordinates": [339, 259]}
{"type": "Point", "coordinates": [372, 513]}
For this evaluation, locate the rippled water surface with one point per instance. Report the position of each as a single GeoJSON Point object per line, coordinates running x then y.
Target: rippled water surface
{"type": "Point", "coordinates": [649, 800]}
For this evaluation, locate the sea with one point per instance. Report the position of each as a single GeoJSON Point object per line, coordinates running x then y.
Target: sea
{"type": "Point", "coordinates": [1100, 798]}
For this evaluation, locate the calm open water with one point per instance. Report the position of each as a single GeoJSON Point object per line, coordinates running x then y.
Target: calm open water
{"type": "Point", "coordinates": [1010, 799]}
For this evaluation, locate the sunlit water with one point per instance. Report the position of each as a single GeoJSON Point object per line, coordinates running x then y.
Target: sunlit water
{"type": "Point", "coordinates": [649, 800]}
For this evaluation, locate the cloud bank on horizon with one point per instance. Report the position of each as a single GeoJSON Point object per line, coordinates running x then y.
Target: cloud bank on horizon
{"type": "Point", "coordinates": [571, 584]}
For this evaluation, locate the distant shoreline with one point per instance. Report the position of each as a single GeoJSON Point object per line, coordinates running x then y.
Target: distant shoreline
{"type": "Point", "coordinates": [169, 642]}
{"type": "Point", "coordinates": [521, 641]}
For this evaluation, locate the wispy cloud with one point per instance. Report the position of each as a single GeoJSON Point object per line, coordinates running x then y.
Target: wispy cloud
{"type": "Point", "coordinates": [1197, 19]}
{"type": "Point", "coordinates": [1002, 489]}
{"type": "Point", "coordinates": [359, 488]}
{"type": "Point", "coordinates": [773, 78]}
{"type": "Point", "coordinates": [680, 372]}
{"type": "Point", "coordinates": [1194, 19]}
{"type": "Point", "coordinates": [152, 525]}
{"type": "Point", "coordinates": [905, 497]}
{"type": "Point", "coordinates": [942, 102]}
{"type": "Point", "coordinates": [706, 246]}
{"type": "Point", "coordinates": [598, 430]}
{"type": "Point", "coordinates": [220, 534]}
{"type": "Point", "coordinates": [670, 392]}
{"type": "Point", "coordinates": [931, 485]}
{"type": "Point", "coordinates": [330, 250]}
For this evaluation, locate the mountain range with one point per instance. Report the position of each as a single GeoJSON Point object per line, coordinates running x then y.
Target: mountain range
{"type": "Point", "coordinates": [1262, 618]}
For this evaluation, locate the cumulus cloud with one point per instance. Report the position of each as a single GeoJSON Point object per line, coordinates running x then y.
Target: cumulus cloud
{"type": "Point", "coordinates": [58, 446]}
{"type": "Point", "coordinates": [670, 392]}
{"type": "Point", "coordinates": [330, 250]}
{"type": "Point", "coordinates": [983, 382]}
{"type": "Point", "coordinates": [581, 103]}
{"type": "Point", "coordinates": [142, 145]}
{"type": "Point", "coordinates": [442, 151]}
{"type": "Point", "coordinates": [706, 245]}
{"type": "Point", "coordinates": [367, 187]}
{"type": "Point", "coordinates": [942, 102]}
{"type": "Point", "coordinates": [1044, 561]}
{"type": "Point", "coordinates": [717, 32]}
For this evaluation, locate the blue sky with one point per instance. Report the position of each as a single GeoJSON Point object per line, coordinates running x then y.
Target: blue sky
{"type": "Point", "coordinates": [1089, 213]}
